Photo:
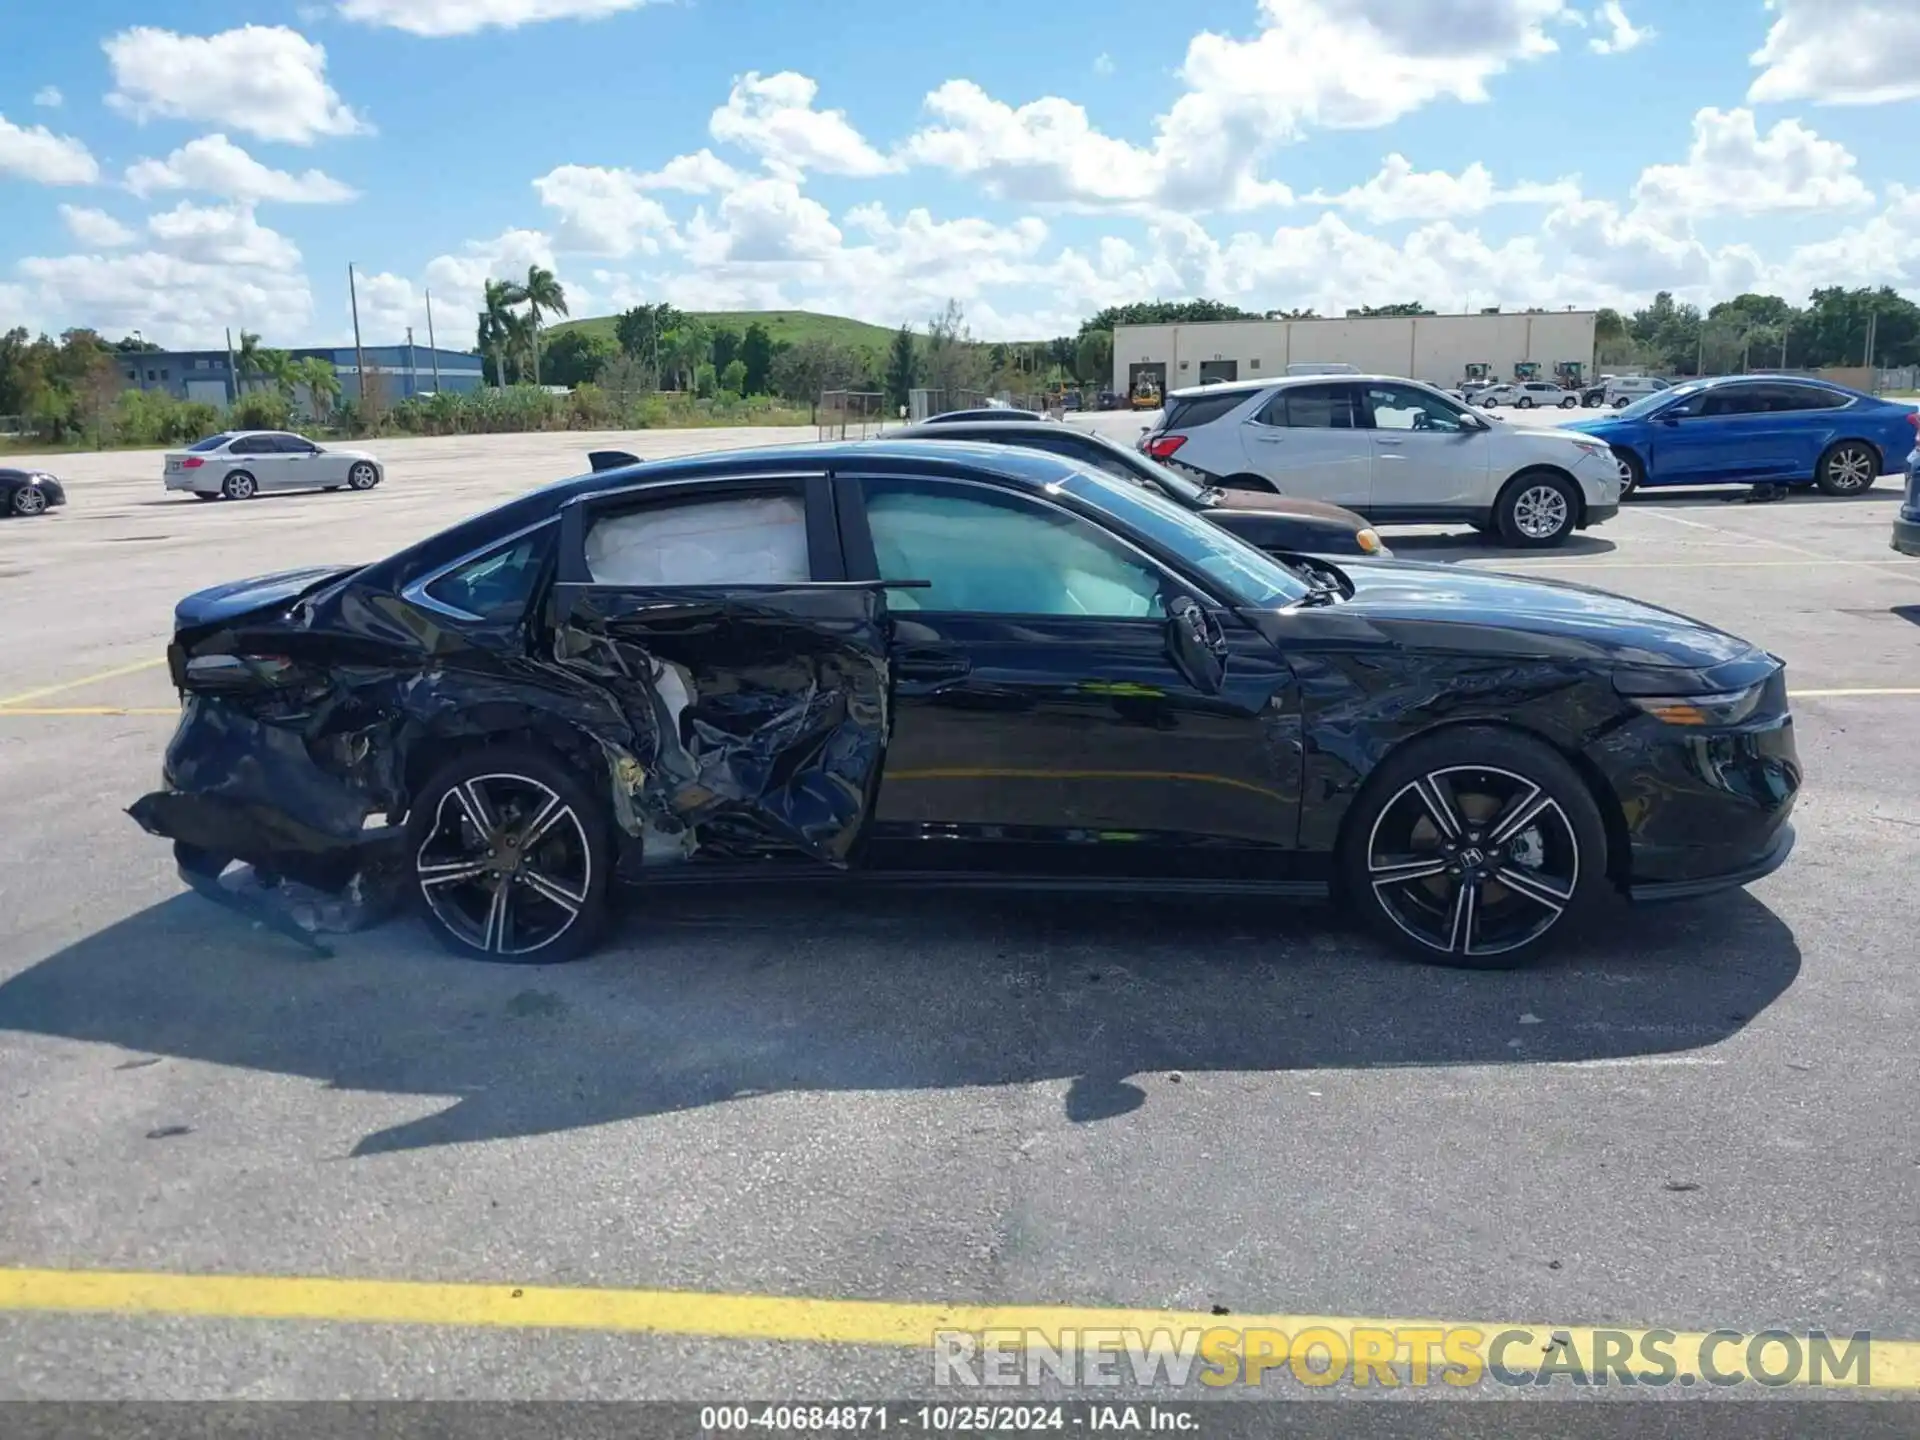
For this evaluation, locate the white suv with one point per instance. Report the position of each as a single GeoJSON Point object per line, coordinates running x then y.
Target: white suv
{"type": "Point", "coordinates": [1397, 451]}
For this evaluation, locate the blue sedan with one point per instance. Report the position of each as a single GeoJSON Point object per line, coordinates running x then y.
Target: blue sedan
{"type": "Point", "coordinates": [1757, 429]}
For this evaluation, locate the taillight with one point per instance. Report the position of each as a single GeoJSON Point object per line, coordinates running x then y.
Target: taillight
{"type": "Point", "coordinates": [237, 672]}
{"type": "Point", "coordinates": [1161, 447]}
{"type": "Point", "coordinates": [192, 462]}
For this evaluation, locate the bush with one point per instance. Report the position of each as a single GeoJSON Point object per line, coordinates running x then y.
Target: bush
{"type": "Point", "coordinates": [261, 410]}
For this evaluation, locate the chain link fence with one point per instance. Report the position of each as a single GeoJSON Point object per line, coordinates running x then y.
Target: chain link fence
{"type": "Point", "coordinates": [851, 414]}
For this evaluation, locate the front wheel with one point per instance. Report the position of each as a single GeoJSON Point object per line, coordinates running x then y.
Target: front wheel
{"type": "Point", "coordinates": [1536, 511]}
{"type": "Point", "coordinates": [1568, 403]}
{"type": "Point", "coordinates": [363, 476]}
{"type": "Point", "coordinates": [28, 500]}
{"type": "Point", "coordinates": [1849, 468]}
{"type": "Point", "coordinates": [1474, 848]}
{"type": "Point", "coordinates": [512, 856]}
{"type": "Point", "coordinates": [1525, 402]}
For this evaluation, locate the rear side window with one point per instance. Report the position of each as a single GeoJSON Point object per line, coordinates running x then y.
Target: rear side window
{"type": "Point", "coordinates": [1805, 397]}
{"type": "Point", "coordinates": [497, 585]}
{"type": "Point", "coordinates": [1203, 410]}
{"type": "Point", "coordinates": [741, 540]}
{"type": "Point", "coordinates": [212, 442]}
{"type": "Point", "coordinates": [1311, 407]}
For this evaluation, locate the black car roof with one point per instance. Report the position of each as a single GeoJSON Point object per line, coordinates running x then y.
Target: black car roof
{"type": "Point", "coordinates": [1032, 469]}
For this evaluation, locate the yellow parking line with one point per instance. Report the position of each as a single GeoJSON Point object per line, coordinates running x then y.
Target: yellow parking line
{"type": "Point", "coordinates": [1838, 694]}
{"type": "Point", "coordinates": [1894, 1364]}
{"type": "Point", "coordinates": [24, 696]}
{"type": "Point", "coordinates": [7, 710]}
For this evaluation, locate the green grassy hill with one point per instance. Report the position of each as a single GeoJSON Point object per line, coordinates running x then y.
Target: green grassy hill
{"type": "Point", "coordinates": [792, 326]}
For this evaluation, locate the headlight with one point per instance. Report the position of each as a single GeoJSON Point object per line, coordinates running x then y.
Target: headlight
{"type": "Point", "coordinates": [1729, 708]}
{"type": "Point", "coordinates": [1369, 542]}
{"type": "Point", "coordinates": [1595, 449]}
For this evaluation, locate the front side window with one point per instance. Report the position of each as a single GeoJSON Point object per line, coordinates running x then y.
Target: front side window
{"type": "Point", "coordinates": [1730, 400]}
{"type": "Point", "coordinates": [1311, 407]}
{"type": "Point", "coordinates": [498, 585]}
{"type": "Point", "coordinates": [988, 552]}
{"type": "Point", "coordinates": [735, 540]}
{"type": "Point", "coordinates": [1406, 407]}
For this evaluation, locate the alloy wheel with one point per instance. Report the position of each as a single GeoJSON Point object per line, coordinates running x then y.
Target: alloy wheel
{"type": "Point", "coordinates": [1473, 861]}
{"type": "Point", "coordinates": [506, 865]}
{"type": "Point", "coordinates": [29, 500]}
{"type": "Point", "coordinates": [1629, 482]}
{"type": "Point", "coordinates": [1540, 512]}
{"type": "Point", "coordinates": [1850, 468]}
{"type": "Point", "coordinates": [362, 476]}
{"type": "Point", "coordinates": [238, 487]}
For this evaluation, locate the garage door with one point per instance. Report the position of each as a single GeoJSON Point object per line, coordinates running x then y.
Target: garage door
{"type": "Point", "coordinates": [1212, 372]}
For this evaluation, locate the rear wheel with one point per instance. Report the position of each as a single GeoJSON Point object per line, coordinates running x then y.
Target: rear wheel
{"type": "Point", "coordinates": [239, 485]}
{"type": "Point", "coordinates": [1536, 510]}
{"type": "Point", "coordinates": [512, 856]}
{"type": "Point", "coordinates": [1849, 468]}
{"type": "Point", "coordinates": [1474, 847]}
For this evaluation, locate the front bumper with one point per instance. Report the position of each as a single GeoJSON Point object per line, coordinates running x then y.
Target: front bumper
{"type": "Point", "coordinates": [1906, 534]}
{"type": "Point", "coordinates": [1658, 891]}
{"type": "Point", "coordinates": [1600, 514]}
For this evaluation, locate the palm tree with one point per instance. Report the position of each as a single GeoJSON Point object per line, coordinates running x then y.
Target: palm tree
{"type": "Point", "coordinates": [279, 369]}
{"type": "Point", "coordinates": [542, 293]}
{"type": "Point", "coordinates": [517, 340]}
{"type": "Point", "coordinates": [322, 382]}
{"type": "Point", "coordinates": [246, 364]}
{"type": "Point", "coordinates": [501, 297]}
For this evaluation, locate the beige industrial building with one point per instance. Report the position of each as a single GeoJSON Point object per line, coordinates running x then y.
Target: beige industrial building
{"type": "Point", "coordinates": [1435, 348]}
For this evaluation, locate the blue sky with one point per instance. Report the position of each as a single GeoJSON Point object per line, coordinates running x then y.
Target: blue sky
{"type": "Point", "coordinates": [180, 166]}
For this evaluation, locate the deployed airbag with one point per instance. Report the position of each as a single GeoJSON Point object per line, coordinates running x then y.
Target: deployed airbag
{"type": "Point", "coordinates": [758, 540]}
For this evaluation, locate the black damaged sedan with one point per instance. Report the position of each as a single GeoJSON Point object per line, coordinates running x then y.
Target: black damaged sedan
{"type": "Point", "coordinates": [932, 663]}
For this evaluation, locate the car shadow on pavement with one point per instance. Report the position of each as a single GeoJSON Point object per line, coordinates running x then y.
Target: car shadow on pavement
{"type": "Point", "coordinates": [1470, 545]}
{"type": "Point", "coordinates": [705, 999]}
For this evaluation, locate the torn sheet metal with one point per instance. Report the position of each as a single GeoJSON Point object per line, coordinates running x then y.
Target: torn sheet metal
{"type": "Point", "coordinates": [767, 706]}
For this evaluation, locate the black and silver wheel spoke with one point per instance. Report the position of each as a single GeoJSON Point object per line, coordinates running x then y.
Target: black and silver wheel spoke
{"type": "Point", "coordinates": [552, 890]}
{"type": "Point", "coordinates": [1541, 892]}
{"type": "Point", "coordinates": [499, 920]}
{"type": "Point", "coordinates": [1403, 872]}
{"type": "Point", "coordinates": [1466, 904]}
{"type": "Point", "coordinates": [551, 814]}
{"type": "Point", "coordinates": [1437, 795]}
{"type": "Point", "coordinates": [472, 799]}
{"type": "Point", "coordinates": [451, 872]}
{"type": "Point", "coordinates": [1520, 813]}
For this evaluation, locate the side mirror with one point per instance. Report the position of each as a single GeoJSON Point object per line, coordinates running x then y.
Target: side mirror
{"type": "Point", "coordinates": [1196, 643]}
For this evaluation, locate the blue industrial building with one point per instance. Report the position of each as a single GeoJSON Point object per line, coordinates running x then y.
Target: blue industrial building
{"type": "Point", "coordinates": [394, 372]}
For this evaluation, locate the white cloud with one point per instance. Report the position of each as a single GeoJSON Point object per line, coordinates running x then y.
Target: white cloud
{"type": "Point", "coordinates": [221, 235]}
{"type": "Point", "coordinates": [266, 80]}
{"type": "Point", "coordinates": [217, 166]}
{"type": "Point", "coordinates": [172, 301]}
{"type": "Point", "coordinates": [48, 97]}
{"type": "Point", "coordinates": [1103, 64]}
{"type": "Point", "coordinates": [764, 220]}
{"type": "Point", "coordinates": [773, 116]}
{"type": "Point", "coordinates": [697, 174]}
{"type": "Point", "coordinates": [458, 281]}
{"type": "Point", "coordinates": [604, 212]}
{"type": "Point", "coordinates": [389, 304]}
{"type": "Point", "coordinates": [95, 228]}
{"type": "Point", "coordinates": [1622, 34]}
{"type": "Point", "coordinates": [436, 18]}
{"type": "Point", "coordinates": [1313, 64]}
{"type": "Point", "coordinates": [1839, 52]}
{"type": "Point", "coordinates": [1400, 192]}
{"type": "Point", "coordinates": [40, 155]}
{"type": "Point", "coordinates": [1884, 250]}
{"type": "Point", "coordinates": [1731, 169]}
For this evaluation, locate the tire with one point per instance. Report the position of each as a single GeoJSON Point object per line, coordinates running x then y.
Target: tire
{"type": "Point", "coordinates": [1632, 473]}
{"type": "Point", "coordinates": [1525, 402]}
{"type": "Point", "coordinates": [1250, 482]}
{"type": "Point", "coordinates": [1622, 402]}
{"type": "Point", "coordinates": [1568, 403]}
{"type": "Point", "coordinates": [1536, 510]}
{"type": "Point", "coordinates": [1848, 468]}
{"type": "Point", "coordinates": [487, 894]}
{"type": "Point", "coordinates": [27, 500]}
{"type": "Point", "coordinates": [239, 485]}
{"type": "Point", "coordinates": [1422, 890]}
{"type": "Point", "coordinates": [362, 476]}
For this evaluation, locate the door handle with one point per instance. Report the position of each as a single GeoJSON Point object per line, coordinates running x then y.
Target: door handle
{"type": "Point", "coordinates": [1382, 440]}
{"type": "Point", "coordinates": [931, 665]}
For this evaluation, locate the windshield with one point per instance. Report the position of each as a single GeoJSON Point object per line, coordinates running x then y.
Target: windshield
{"type": "Point", "coordinates": [1245, 574]}
{"type": "Point", "coordinates": [212, 442]}
{"type": "Point", "coordinates": [1658, 400]}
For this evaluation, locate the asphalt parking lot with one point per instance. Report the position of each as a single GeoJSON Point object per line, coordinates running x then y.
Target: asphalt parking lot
{"type": "Point", "coordinates": [1700, 1116]}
